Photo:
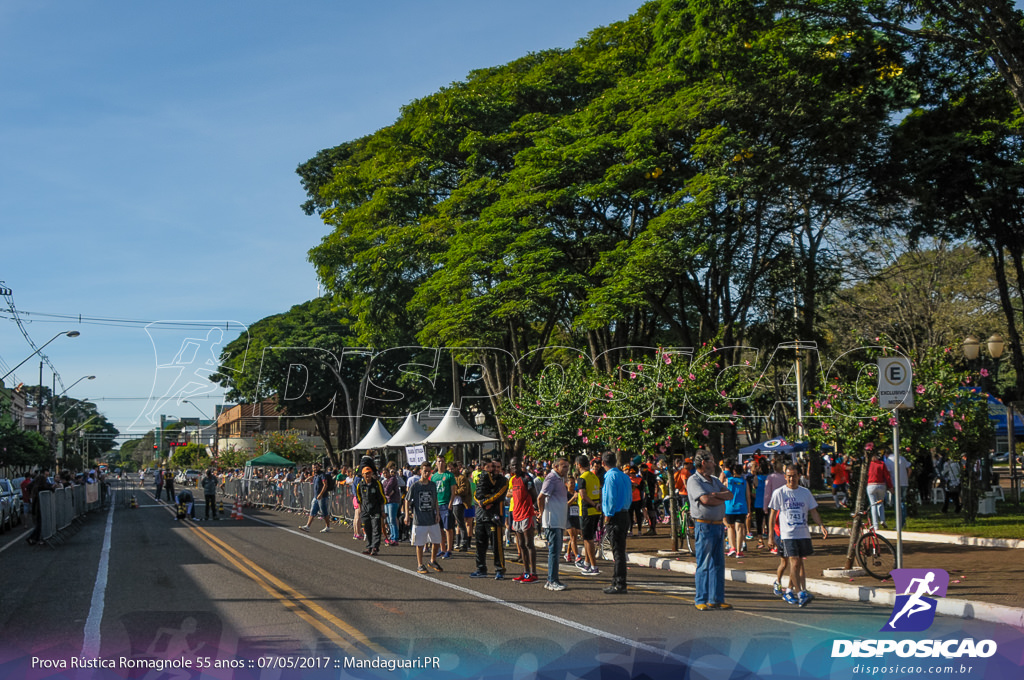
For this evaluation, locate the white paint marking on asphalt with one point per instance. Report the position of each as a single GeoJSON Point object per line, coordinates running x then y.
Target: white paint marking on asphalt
{"type": "Point", "coordinates": [490, 598]}
{"type": "Point", "coordinates": [15, 540]}
{"type": "Point", "coordinates": [91, 641]}
{"type": "Point", "coordinates": [571, 624]}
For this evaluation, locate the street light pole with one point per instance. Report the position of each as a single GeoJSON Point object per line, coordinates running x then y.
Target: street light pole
{"type": "Point", "coordinates": [216, 433]}
{"type": "Point", "coordinates": [70, 334]}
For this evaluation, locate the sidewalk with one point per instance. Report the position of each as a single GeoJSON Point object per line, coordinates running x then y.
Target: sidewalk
{"type": "Point", "coordinates": [985, 581]}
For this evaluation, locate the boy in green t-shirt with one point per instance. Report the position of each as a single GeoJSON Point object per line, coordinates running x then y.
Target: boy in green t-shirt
{"type": "Point", "coordinates": [445, 482]}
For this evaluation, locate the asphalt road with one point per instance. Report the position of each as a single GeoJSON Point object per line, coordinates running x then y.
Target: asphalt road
{"type": "Point", "coordinates": [273, 602]}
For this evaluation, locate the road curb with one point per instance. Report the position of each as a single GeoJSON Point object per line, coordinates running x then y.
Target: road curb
{"type": "Point", "coordinates": [964, 609]}
{"type": "Point", "coordinates": [949, 539]}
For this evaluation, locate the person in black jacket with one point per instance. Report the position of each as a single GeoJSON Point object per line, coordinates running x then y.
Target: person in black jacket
{"type": "Point", "coordinates": [491, 489]}
{"type": "Point", "coordinates": [370, 493]}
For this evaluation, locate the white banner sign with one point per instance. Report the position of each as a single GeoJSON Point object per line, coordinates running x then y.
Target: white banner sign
{"type": "Point", "coordinates": [416, 455]}
{"type": "Point", "coordinates": [895, 383]}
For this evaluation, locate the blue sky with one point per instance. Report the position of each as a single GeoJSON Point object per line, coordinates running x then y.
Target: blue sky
{"type": "Point", "coordinates": [148, 155]}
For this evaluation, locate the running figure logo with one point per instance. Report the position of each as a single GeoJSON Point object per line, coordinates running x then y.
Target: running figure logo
{"type": "Point", "coordinates": [914, 610]}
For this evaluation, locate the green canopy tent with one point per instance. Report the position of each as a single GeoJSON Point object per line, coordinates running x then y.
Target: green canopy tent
{"type": "Point", "coordinates": [268, 459]}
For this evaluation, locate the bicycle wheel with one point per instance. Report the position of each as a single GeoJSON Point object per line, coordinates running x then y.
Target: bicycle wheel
{"type": "Point", "coordinates": [876, 555]}
{"type": "Point", "coordinates": [685, 530]}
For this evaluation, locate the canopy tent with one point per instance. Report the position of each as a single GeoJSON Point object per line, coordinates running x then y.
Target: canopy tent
{"type": "Point", "coordinates": [776, 446]}
{"type": "Point", "coordinates": [772, 447]}
{"type": "Point", "coordinates": [410, 433]}
{"type": "Point", "coordinates": [376, 438]}
{"type": "Point", "coordinates": [270, 459]}
{"type": "Point", "coordinates": [997, 413]}
{"type": "Point", "coordinates": [454, 430]}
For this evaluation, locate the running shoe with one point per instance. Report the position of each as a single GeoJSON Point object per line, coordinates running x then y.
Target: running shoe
{"type": "Point", "coordinates": [499, 576]}
{"type": "Point", "coordinates": [590, 571]}
{"type": "Point", "coordinates": [554, 585]}
{"type": "Point", "coordinates": [777, 589]}
{"type": "Point", "coordinates": [325, 530]}
{"type": "Point", "coordinates": [750, 536]}
{"type": "Point", "coordinates": [529, 578]}
{"type": "Point", "coordinates": [479, 574]}
{"type": "Point", "coordinates": [580, 563]}
{"type": "Point", "coordinates": [804, 598]}
{"type": "Point", "coordinates": [791, 598]}
{"type": "Point", "coordinates": [731, 553]}
{"type": "Point", "coordinates": [435, 566]}
{"type": "Point", "coordinates": [739, 554]}
{"type": "Point", "coordinates": [775, 550]}
{"type": "Point", "coordinates": [702, 607]}
{"type": "Point", "coordinates": [421, 569]}
{"type": "Point", "coordinates": [520, 578]}
{"type": "Point", "coordinates": [304, 528]}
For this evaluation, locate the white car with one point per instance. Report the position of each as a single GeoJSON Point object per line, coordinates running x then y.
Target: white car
{"type": "Point", "coordinates": [188, 477]}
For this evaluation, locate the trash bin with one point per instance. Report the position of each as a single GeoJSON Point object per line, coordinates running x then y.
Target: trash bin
{"type": "Point", "coordinates": [987, 504]}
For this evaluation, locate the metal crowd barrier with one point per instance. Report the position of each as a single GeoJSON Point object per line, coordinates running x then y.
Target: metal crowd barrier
{"type": "Point", "coordinates": [61, 509]}
{"type": "Point", "coordinates": [288, 496]}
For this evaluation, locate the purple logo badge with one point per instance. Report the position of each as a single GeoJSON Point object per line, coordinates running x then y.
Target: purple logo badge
{"type": "Point", "coordinates": [914, 609]}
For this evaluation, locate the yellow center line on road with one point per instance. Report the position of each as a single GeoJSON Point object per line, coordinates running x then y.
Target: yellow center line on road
{"type": "Point", "coordinates": [302, 605]}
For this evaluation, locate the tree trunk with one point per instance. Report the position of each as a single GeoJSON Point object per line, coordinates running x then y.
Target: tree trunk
{"type": "Point", "coordinates": [858, 507]}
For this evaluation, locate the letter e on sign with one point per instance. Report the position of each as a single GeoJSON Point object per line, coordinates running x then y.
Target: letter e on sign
{"type": "Point", "coordinates": [895, 378]}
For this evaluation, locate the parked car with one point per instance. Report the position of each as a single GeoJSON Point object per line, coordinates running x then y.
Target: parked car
{"type": "Point", "coordinates": [188, 477]}
{"type": "Point", "coordinates": [1000, 458]}
{"type": "Point", "coordinates": [10, 505]}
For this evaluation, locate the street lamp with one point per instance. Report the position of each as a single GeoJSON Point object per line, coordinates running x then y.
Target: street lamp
{"type": "Point", "coordinates": [216, 430]}
{"type": "Point", "coordinates": [53, 408]}
{"type": "Point", "coordinates": [995, 346]}
{"type": "Point", "coordinates": [70, 334]}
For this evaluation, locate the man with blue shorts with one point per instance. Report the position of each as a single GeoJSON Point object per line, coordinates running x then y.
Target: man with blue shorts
{"type": "Point", "coordinates": [321, 500]}
{"type": "Point", "coordinates": [792, 505]}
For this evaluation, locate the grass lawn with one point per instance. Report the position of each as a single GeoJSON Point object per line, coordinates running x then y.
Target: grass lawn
{"type": "Point", "coordinates": [1008, 522]}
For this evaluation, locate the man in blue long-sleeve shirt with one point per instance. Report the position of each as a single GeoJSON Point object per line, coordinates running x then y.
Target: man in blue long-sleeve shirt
{"type": "Point", "coordinates": [616, 497]}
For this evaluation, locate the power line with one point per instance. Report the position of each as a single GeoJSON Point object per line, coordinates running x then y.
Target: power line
{"type": "Point", "coordinates": [45, 317]}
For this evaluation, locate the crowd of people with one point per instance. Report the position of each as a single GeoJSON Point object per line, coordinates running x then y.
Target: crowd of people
{"type": "Point", "coordinates": [32, 483]}
{"type": "Point", "coordinates": [442, 507]}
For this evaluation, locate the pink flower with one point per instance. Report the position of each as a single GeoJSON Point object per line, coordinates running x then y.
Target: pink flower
{"type": "Point", "coordinates": [956, 426]}
{"type": "Point", "coordinates": [668, 359]}
{"type": "Point", "coordinates": [693, 377]}
{"type": "Point", "coordinates": [679, 380]}
{"type": "Point", "coordinates": [632, 376]}
{"type": "Point", "coordinates": [659, 385]}
{"type": "Point", "coordinates": [586, 440]}
{"type": "Point", "coordinates": [579, 432]}
{"type": "Point", "coordinates": [869, 446]}
{"type": "Point", "coordinates": [892, 422]}
{"type": "Point", "coordinates": [705, 432]}
{"type": "Point", "coordinates": [860, 423]}
{"type": "Point", "coordinates": [920, 389]}
{"type": "Point", "coordinates": [984, 372]}
{"type": "Point", "coordinates": [609, 395]}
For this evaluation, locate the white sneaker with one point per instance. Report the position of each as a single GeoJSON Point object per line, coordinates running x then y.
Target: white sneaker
{"type": "Point", "coordinates": [304, 528]}
{"type": "Point", "coordinates": [558, 587]}
{"type": "Point", "coordinates": [325, 530]}
{"type": "Point", "coordinates": [592, 571]}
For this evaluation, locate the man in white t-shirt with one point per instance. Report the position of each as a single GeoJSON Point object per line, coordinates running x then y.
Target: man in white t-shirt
{"type": "Point", "coordinates": [890, 464]}
{"type": "Point", "coordinates": [793, 504]}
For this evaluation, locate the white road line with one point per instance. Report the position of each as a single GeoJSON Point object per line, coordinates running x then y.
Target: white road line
{"type": "Point", "coordinates": [490, 598]}
{"type": "Point", "coordinates": [550, 617]}
{"type": "Point", "coordinates": [15, 540]}
{"type": "Point", "coordinates": [91, 640]}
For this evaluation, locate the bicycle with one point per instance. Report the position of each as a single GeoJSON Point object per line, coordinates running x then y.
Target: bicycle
{"type": "Point", "coordinates": [874, 552]}
{"type": "Point", "coordinates": [684, 525]}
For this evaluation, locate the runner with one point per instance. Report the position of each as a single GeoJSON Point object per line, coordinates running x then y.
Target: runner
{"type": "Point", "coordinates": [792, 504]}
